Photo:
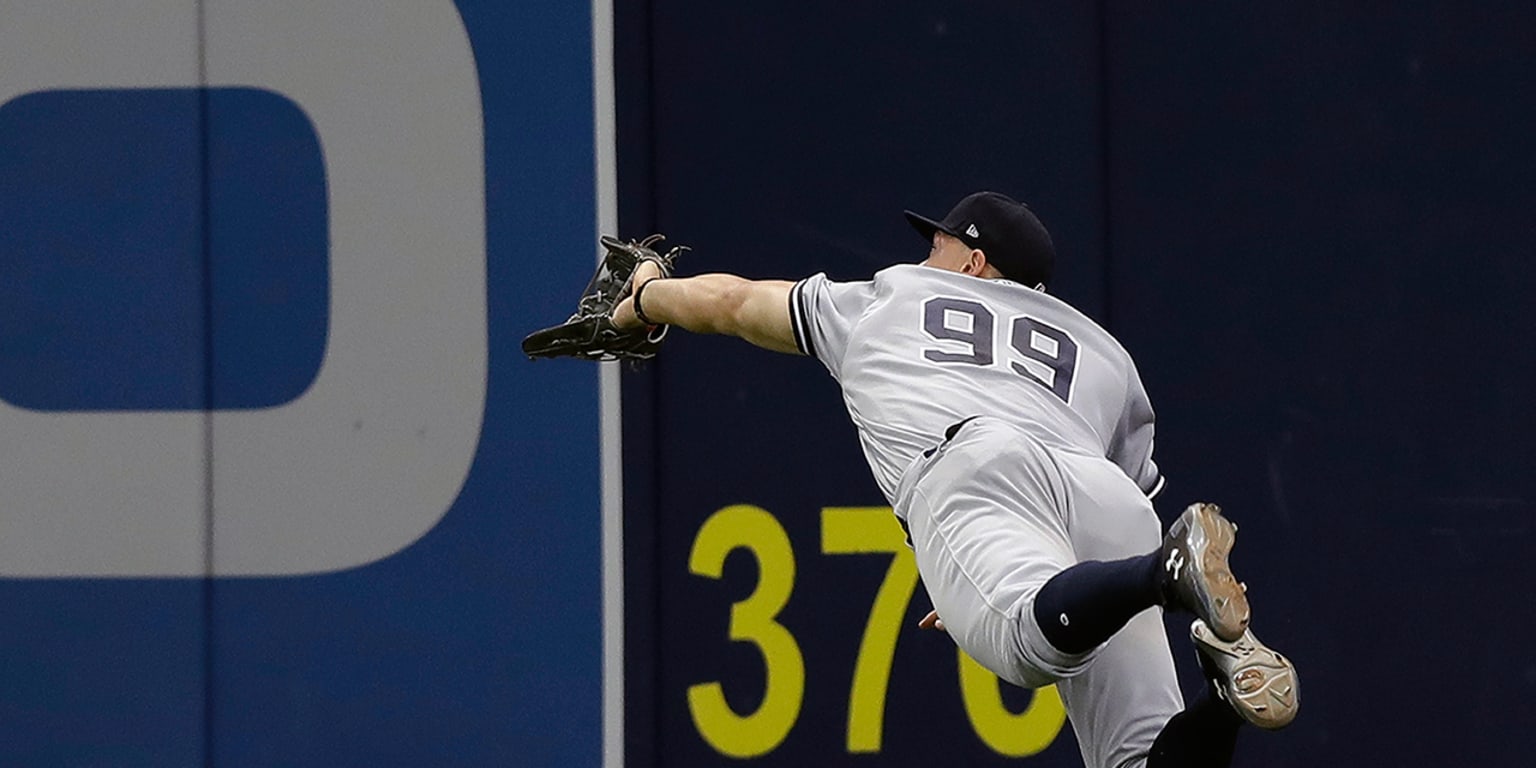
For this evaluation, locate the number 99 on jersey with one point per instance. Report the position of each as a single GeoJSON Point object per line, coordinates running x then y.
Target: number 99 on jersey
{"type": "Point", "coordinates": [824, 662]}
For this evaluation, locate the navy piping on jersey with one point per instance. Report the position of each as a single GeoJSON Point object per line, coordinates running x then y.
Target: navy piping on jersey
{"type": "Point", "coordinates": [797, 320]}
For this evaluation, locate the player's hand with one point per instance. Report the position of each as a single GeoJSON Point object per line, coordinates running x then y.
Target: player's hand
{"type": "Point", "coordinates": [931, 621]}
{"type": "Point", "coordinates": [599, 330]}
{"type": "Point", "coordinates": [624, 311]}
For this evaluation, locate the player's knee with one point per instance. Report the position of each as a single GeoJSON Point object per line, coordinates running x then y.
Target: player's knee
{"type": "Point", "coordinates": [1012, 647]}
{"type": "Point", "coordinates": [1042, 663]}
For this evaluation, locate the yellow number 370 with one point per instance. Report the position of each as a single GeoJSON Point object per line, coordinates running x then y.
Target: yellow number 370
{"type": "Point", "coordinates": [844, 531]}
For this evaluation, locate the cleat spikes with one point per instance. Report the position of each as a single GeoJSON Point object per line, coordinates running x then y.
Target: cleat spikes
{"type": "Point", "coordinates": [1259, 684]}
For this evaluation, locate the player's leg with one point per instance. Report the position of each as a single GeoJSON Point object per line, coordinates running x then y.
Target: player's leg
{"type": "Point", "coordinates": [1204, 735]}
{"type": "Point", "coordinates": [1084, 605]}
{"type": "Point", "coordinates": [1120, 704]}
{"type": "Point", "coordinates": [1080, 608]}
{"type": "Point", "coordinates": [982, 515]}
{"type": "Point", "coordinates": [1127, 702]}
{"type": "Point", "coordinates": [1246, 682]}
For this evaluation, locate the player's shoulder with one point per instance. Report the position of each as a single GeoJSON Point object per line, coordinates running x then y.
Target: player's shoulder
{"type": "Point", "coordinates": [905, 273]}
{"type": "Point", "coordinates": [1005, 294]}
{"type": "Point", "coordinates": [916, 277]}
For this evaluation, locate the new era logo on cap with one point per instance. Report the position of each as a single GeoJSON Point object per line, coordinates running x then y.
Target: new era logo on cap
{"type": "Point", "coordinates": [973, 231]}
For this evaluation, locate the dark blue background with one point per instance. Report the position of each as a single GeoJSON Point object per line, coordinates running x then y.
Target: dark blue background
{"type": "Point", "coordinates": [1310, 225]}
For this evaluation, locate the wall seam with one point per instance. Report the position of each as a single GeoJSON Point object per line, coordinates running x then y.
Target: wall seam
{"type": "Point", "coordinates": [1106, 170]}
{"type": "Point", "coordinates": [205, 223]}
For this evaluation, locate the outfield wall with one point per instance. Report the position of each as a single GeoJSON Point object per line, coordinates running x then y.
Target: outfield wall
{"type": "Point", "coordinates": [277, 486]}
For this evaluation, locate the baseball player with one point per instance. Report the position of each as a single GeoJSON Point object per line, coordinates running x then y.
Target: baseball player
{"type": "Point", "coordinates": [1013, 438]}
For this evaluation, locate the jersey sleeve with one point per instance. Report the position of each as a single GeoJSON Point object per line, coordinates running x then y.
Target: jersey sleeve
{"type": "Point", "coordinates": [824, 313]}
{"type": "Point", "coordinates": [1132, 446]}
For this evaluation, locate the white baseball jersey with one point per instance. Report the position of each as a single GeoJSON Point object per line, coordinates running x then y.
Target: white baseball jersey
{"type": "Point", "coordinates": [917, 349]}
{"type": "Point", "coordinates": [1047, 477]}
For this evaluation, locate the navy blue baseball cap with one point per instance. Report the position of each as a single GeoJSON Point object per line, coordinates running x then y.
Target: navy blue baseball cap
{"type": "Point", "coordinates": [1006, 230]}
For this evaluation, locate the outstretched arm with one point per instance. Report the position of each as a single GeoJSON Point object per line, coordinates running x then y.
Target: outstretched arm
{"type": "Point", "coordinates": [754, 310]}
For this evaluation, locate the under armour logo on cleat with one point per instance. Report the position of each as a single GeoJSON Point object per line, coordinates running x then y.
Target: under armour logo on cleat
{"type": "Point", "coordinates": [1175, 563]}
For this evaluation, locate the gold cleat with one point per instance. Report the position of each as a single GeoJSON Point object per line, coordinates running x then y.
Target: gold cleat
{"type": "Point", "coordinates": [1194, 558]}
{"type": "Point", "coordinates": [1258, 683]}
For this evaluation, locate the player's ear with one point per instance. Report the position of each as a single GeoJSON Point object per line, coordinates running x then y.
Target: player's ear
{"type": "Point", "coordinates": [976, 264]}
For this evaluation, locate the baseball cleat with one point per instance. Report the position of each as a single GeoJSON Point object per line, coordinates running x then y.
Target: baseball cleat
{"type": "Point", "coordinates": [1196, 574]}
{"type": "Point", "coordinates": [1258, 683]}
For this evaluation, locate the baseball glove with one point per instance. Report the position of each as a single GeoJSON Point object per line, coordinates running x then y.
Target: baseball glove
{"type": "Point", "coordinates": [590, 333]}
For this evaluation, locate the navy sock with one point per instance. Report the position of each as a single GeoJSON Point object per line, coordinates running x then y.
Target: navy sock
{"type": "Point", "coordinates": [1083, 606]}
{"type": "Point", "coordinates": [1202, 736]}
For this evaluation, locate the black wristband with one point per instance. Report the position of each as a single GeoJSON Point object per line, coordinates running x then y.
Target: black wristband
{"type": "Point", "coordinates": [640, 313]}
